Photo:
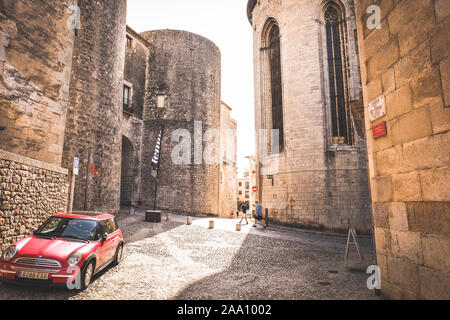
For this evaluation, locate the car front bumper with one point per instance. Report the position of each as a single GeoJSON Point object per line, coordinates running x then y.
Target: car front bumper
{"type": "Point", "coordinates": [12, 273]}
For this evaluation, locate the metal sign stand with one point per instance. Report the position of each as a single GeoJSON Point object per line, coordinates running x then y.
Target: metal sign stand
{"type": "Point", "coordinates": [351, 239]}
{"type": "Point", "coordinates": [75, 170]}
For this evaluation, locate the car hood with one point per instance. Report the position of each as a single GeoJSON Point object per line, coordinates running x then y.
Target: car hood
{"type": "Point", "coordinates": [49, 249]}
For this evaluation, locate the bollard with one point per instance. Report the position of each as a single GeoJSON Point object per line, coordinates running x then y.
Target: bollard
{"type": "Point", "coordinates": [238, 227]}
{"type": "Point", "coordinates": [169, 217]}
{"type": "Point", "coordinates": [131, 211]}
{"type": "Point", "coordinates": [211, 224]}
{"type": "Point", "coordinates": [189, 221]}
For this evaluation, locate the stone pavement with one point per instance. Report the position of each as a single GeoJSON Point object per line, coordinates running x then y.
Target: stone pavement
{"type": "Point", "coordinates": [172, 260]}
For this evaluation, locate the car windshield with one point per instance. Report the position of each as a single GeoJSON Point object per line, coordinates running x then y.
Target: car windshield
{"type": "Point", "coordinates": [58, 227]}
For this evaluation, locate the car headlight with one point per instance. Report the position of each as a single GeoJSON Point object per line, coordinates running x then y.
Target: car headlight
{"type": "Point", "coordinates": [74, 259]}
{"type": "Point", "coordinates": [10, 253]}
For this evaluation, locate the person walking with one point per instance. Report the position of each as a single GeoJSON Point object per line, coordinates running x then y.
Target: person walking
{"type": "Point", "coordinates": [259, 215]}
{"type": "Point", "coordinates": [244, 214]}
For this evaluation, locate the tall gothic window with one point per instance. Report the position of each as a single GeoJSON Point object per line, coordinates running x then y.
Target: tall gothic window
{"type": "Point", "coordinates": [274, 59]}
{"type": "Point", "coordinates": [337, 73]}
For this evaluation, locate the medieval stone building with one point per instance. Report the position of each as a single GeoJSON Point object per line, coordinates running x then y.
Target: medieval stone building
{"type": "Point", "coordinates": [307, 86]}
{"type": "Point", "coordinates": [312, 152]}
{"type": "Point", "coordinates": [76, 82]}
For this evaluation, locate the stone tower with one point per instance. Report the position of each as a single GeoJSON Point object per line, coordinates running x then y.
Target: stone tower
{"type": "Point", "coordinates": [183, 93]}
{"type": "Point", "coordinates": [308, 102]}
{"type": "Point", "coordinates": [93, 127]}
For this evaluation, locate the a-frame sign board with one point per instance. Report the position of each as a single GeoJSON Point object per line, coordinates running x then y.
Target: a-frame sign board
{"type": "Point", "coordinates": [351, 239]}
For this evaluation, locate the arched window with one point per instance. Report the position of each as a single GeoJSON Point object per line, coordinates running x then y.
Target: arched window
{"type": "Point", "coordinates": [272, 47]}
{"type": "Point", "coordinates": [337, 73]}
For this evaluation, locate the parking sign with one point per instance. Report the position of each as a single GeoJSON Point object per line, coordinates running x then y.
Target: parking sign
{"type": "Point", "coordinates": [76, 166]}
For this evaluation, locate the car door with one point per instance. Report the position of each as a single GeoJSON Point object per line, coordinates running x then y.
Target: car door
{"type": "Point", "coordinates": [104, 249]}
{"type": "Point", "coordinates": [113, 237]}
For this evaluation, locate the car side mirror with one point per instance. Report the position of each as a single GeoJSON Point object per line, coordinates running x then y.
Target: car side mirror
{"type": "Point", "coordinates": [104, 237]}
{"type": "Point", "coordinates": [34, 230]}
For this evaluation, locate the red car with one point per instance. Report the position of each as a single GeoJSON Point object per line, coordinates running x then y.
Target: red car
{"type": "Point", "coordinates": [67, 249]}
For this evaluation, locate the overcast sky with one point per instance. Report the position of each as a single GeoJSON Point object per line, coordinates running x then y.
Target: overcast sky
{"type": "Point", "coordinates": [225, 23]}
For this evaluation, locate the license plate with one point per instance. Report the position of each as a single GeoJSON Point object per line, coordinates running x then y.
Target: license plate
{"type": "Point", "coordinates": [34, 275]}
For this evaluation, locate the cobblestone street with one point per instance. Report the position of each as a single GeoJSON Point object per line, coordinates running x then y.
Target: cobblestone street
{"type": "Point", "coordinates": [172, 260]}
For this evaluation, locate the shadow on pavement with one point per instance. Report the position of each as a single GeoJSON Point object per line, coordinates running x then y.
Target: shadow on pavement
{"type": "Point", "coordinates": [275, 269]}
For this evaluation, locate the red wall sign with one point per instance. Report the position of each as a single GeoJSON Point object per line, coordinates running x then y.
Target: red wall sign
{"type": "Point", "coordinates": [93, 171]}
{"type": "Point", "coordinates": [380, 130]}
{"type": "Point", "coordinates": [255, 189]}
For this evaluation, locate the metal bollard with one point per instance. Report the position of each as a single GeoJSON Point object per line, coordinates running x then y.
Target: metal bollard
{"type": "Point", "coordinates": [238, 227]}
{"type": "Point", "coordinates": [211, 224]}
{"type": "Point", "coordinates": [169, 217]}
{"type": "Point", "coordinates": [189, 221]}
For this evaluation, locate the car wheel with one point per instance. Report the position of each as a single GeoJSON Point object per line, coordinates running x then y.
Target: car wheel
{"type": "Point", "coordinates": [119, 254]}
{"type": "Point", "coordinates": [86, 275]}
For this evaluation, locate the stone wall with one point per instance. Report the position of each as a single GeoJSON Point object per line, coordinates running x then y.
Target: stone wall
{"type": "Point", "coordinates": [30, 192]}
{"type": "Point", "coordinates": [94, 119]}
{"type": "Point", "coordinates": [135, 75]}
{"type": "Point", "coordinates": [35, 63]}
{"type": "Point", "coordinates": [407, 61]}
{"type": "Point", "coordinates": [228, 173]}
{"type": "Point", "coordinates": [184, 74]}
{"type": "Point", "coordinates": [136, 70]}
{"type": "Point", "coordinates": [316, 184]}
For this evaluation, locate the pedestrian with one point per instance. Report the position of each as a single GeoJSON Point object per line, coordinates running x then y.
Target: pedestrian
{"type": "Point", "coordinates": [259, 215]}
{"type": "Point", "coordinates": [244, 214]}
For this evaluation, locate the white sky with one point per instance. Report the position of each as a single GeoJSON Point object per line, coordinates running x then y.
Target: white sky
{"type": "Point", "coordinates": [225, 23]}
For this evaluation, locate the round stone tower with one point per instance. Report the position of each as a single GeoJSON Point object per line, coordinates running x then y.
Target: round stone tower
{"type": "Point", "coordinates": [184, 78]}
{"type": "Point", "coordinates": [95, 105]}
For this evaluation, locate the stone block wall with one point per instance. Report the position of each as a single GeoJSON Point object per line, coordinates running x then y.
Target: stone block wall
{"type": "Point", "coordinates": [407, 61]}
{"type": "Point", "coordinates": [94, 118]}
{"type": "Point", "coordinates": [30, 192]}
{"type": "Point", "coordinates": [135, 76]}
{"type": "Point", "coordinates": [316, 184]}
{"type": "Point", "coordinates": [136, 70]}
{"type": "Point", "coordinates": [183, 87]}
{"type": "Point", "coordinates": [228, 173]}
{"type": "Point", "coordinates": [35, 64]}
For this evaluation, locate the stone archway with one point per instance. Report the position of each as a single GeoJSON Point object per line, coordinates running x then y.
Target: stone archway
{"type": "Point", "coordinates": [128, 172]}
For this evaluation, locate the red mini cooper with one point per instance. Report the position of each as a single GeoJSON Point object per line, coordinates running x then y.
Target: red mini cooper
{"type": "Point", "coordinates": [67, 249]}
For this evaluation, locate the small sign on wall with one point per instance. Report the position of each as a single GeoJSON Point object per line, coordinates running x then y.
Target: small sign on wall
{"type": "Point", "coordinates": [377, 108]}
{"type": "Point", "coordinates": [380, 130]}
{"type": "Point", "coordinates": [76, 166]}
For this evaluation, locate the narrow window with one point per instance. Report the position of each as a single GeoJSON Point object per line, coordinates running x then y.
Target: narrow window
{"type": "Point", "coordinates": [129, 42]}
{"type": "Point", "coordinates": [276, 83]}
{"type": "Point", "coordinates": [126, 97]}
{"type": "Point", "coordinates": [337, 74]}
